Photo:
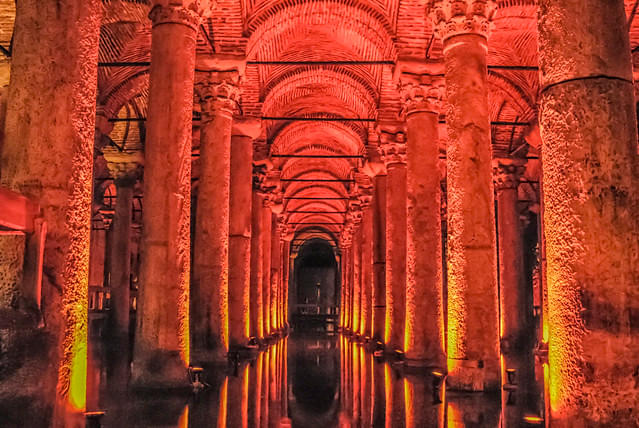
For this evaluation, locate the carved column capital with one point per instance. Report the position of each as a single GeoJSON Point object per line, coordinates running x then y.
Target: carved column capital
{"type": "Point", "coordinates": [454, 17]}
{"type": "Point", "coordinates": [393, 148]}
{"type": "Point", "coordinates": [125, 166]}
{"type": "Point", "coordinates": [185, 12]}
{"type": "Point", "coordinates": [364, 188]}
{"type": "Point", "coordinates": [422, 93]}
{"type": "Point", "coordinates": [217, 92]}
{"type": "Point", "coordinates": [507, 172]}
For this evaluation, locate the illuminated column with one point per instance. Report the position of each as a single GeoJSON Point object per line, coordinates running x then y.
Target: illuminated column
{"type": "Point", "coordinates": [257, 252]}
{"type": "Point", "coordinates": [424, 335]}
{"type": "Point", "coordinates": [275, 273]}
{"type": "Point", "coordinates": [379, 258]}
{"type": "Point", "coordinates": [393, 149]}
{"type": "Point", "coordinates": [218, 94]}
{"type": "Point", "coordinates": [515, 324]}
{"type": "Point", "coordinates": [244, 132]}
{"type": "Point", "coordinates": [473, 316]}
{"type": "Point", "coordinates": [355, 215]}
{"type": "Point", "coordinates": [162, 339]}
{"type": "Point", "coordinates": [345, 245]}
{"type": "Point", "coordinates": [286, 271]}
{"type": "Point", "coordinates": [125, 169]}
{"type": "Point", "coordinates": [49, 160]}
{"type": "Point", "coordinates": [589, 134]}
{"type": "Point", "coordinates": [267, 230]}
{"type": "Point", "coordinates": [365, 191]}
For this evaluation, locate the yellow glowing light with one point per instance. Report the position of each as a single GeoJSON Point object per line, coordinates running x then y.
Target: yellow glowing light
{"type": "Point", "coordinates": [533, 419]}
{"type": "Point", "coordinates": [244, 404]}
{"type": "Point", "coordinates": [454, 419]}
{"type": "Point", "coordinates": [388, 394]}
{"type": "Point", "coordinates": [78, 375]}
{"type": "Point", "coordinates": [184, 340]}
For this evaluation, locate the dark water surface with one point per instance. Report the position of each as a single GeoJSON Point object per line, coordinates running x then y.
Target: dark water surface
{"type": "Point", "coordinates": [304, 381]}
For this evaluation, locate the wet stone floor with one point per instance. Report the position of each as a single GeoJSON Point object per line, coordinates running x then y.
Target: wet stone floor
{"type": "Point", "coordinates": [302, 381]}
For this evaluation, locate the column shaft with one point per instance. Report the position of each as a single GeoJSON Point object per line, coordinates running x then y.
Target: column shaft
{"type": "Point", "coordinates": [53, 107]}
{"type": "Point", "coordinates": [424, 339]}
{"type": "Point", "coordinates": [121, 260]}
{"type": "Point", "coordinates": [395, 257]}
{"type": "Point", "coordinates": [209, 285]}
{"type": "Point", "coordinates": [162, 340]}
{"type": "Point", "coordinates": [257, 252]}
{"type": "Point", "coordinates": [240, 239]}
{"type": "Point", "coordinates": [275, 274]}
{"type": "Point", "coordinates": [473, 317]}
{"type": "Point", "coordinates": [589, 144]}
{"type": "Point", "coordinates": [365, 327]}
{"type": "Point", "coordinates": [357, 280]}
{"type": "Point", "coordinates": [267, 227]}
{"type": "Point", "coordinates": [379, 258]}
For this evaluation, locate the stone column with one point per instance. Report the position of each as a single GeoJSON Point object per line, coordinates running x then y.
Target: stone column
{"type": "Point", "coordinates": [286, 271]}
{"type": "Point", "coordinates": [379, 258]}
{"type": "Point", "coordinates": [345, 246]}
{"type": "Point", "coordinates": [393, 150]}
{"type": "Point", "coordinates": [244, 132]}
{"type": "Point", "coordinates": [355, 215]}
{"type": "Point", "coordinates": [515, 319]}
{"type": "Point", "coordinates": [47, 155]}
{"type": "Point", "coordinates": [473, 315]}
{"type": "Point", "coordinates": [218, 94]}
{"type": "Point", "coordinates": [267, 231]}
{"type": "Point", "coordinates": [589, 135]}
{"type": "Point", "coordinates": [162, 343]}
{"type": "Point", "coordinates": [125, 169]}
{"type": "Point", "coordinates": [257, 253]}
{"type": "Point", "coordinates": [365, 197]}
{"type": "Point", "coordinates": [424, 338]}
{"type": "Point", "coordinates": [275, 273]}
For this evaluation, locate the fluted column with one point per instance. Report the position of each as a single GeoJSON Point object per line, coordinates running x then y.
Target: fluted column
{"type": "Point", "coordinates": [244, 132]}
{"type": "Point", "coordinates": [589, 144]}
{"type": "Point", "coordinates": [516, 326]}
{"type": "Point", "coordinates": [473, 315]}
{"type": "Point", "coordinates": [424, 338]}
{"type": "Point", "coordinates": [162, 340]}
{"type": "Point", "coordinates": [393, 148]}
{"type": "Point", "coordinates": [218, 94]}
{"type": "Point", "coordinates": [125, 169]}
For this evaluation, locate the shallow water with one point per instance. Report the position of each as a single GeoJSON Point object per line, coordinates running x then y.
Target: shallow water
{"type": "Point", "coordinates": [302, 381]}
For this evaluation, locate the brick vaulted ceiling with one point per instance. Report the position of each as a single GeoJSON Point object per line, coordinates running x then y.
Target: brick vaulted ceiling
{"type": "Point", "coordinates": [378, 31]}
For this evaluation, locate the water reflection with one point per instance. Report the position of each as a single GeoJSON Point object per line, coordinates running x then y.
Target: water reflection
{"type": "Point", "coordinates": [304, 382]}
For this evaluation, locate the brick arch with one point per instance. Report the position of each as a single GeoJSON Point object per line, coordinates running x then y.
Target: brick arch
{"type": "Point", "coordinates": [273, 30]}
{"type": "Point", "coordinates": [334, 134]}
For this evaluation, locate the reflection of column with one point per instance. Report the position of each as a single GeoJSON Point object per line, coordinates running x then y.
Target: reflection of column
{"type": "Point", "coordinates": [124, 167]}
{"type": "Point", "coordinates": [589, 133]}
{"type": "Point", "coordinates": [424, 336]}
{"type": "Point", "coordinates": [49, 160]}
{"type": "Point", "coordinates": [257, 252]}
{"type": "Point", "coordinates": [473, 316]}
{"type": "Point", "coordinates": [379, 258]}
{"type": "Point", "coordinates": [218, 95]}
{"type": "Point", "coordinates": [515, 317]}
{"type": "Point", "coordinates": [393, 149]}
{"type": "Point", "coordinates": [162, 338]}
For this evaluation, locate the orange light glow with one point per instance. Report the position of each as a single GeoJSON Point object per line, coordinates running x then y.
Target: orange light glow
{"type": "Point", "coordinates": [245, 392]}
{"type": "Point", "coordinates": [454, 419]}
{"type": "Point", "coordinates": [221, 420]}
{"type": "Point", "coordinates": [183, 422]}
{"type": "Point", "coordinates": [184, 339]}
{"type": "Point", "coordinates": [408, 399]}
{"type": "Point", "coordinates": [388, 390]}
{"type": "Point", "coordinates": [533, 419]}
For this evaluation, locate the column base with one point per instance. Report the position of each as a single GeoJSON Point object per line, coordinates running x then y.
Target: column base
{"type": "Point", "coordinates": [472, 376]}
{"type": "Point", "coordinates": [159, 369]}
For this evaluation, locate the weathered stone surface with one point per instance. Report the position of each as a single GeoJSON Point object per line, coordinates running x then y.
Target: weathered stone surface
{"type": "Point", "coordinates": [11, 268]}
